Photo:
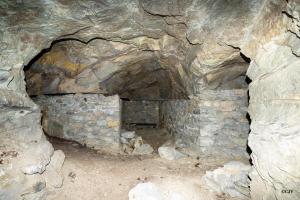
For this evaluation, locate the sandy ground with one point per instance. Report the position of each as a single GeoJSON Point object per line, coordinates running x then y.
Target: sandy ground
{"type": "Point", "coordinates": [91, 175]}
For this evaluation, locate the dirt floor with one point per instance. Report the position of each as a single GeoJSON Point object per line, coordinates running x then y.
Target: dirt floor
{"type": "Point", "coordinates": [91, 175]}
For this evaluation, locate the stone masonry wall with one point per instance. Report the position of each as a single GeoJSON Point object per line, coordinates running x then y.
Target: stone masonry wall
{"type": "Point", "coordinates": [213, 122]}
{"type": "Point", "coordinates": [90, 119]}
{"type": "Point", "coordinates": [140, 112]}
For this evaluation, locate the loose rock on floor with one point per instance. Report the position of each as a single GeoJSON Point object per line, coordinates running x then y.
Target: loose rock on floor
{"type": "Point", "coordinates": [231, 179]}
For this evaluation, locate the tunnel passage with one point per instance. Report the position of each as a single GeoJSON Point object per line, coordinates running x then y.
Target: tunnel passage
{"type": "Point", "coordinates": [93, 93]}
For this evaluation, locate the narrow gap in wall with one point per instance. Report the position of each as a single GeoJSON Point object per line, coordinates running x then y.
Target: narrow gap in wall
{"type": "Point", "coordinates": [246, 59]}
{"type": "Point", "coordinates": [248, 81]}
{"type": "Point", "coordinates": [249, 151]}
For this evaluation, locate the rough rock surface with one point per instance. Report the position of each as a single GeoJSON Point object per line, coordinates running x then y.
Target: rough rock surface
{"type": "Point", "coordinates": [90, 119]}
{"type": "Point", "coordinates": [24, 150]}
{"type": "Point", "coordinates": [274, 109]}
{"type": "Point", "coordinates": [143, 149]}
{"type": "Point", "coordinates": [135, 145]}
{"type": "Point", "coordinates": [231, 179]}
{"type": "Point", "coordinates": [129, 69]}
{"type": "Point", "coordinates": [139, 148]}
{"type": "Point", "coordinates": [198, 41]}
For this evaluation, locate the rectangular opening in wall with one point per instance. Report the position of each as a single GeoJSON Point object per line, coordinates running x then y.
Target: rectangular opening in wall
{"type": "Point", "coordinates": [143, 118]}
{"type": "Point", "coordinates": [143, 114]}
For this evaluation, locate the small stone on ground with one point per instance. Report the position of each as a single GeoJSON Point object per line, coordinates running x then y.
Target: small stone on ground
{"type": "Point", "coordinates": [170, 153]}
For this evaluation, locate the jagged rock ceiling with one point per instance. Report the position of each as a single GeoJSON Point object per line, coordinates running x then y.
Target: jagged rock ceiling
{"type": "Point", "coordinates": [152, 52]}
{"type": "Point", "coordinates": [129, 69]}
{"type": "Point", "coordinates": [210, 35]}
{"type": "Point", "coordinates": [178, 40]}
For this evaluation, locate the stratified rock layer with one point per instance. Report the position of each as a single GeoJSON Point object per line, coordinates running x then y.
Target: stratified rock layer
{"type": "Point", "coordinates": [274, 109]}
{"type": "Point", "coordinates": [202, 40]}
{"type": "Point", "coordinates": [131, 69]}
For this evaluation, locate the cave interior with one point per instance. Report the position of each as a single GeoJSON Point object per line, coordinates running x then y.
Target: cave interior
{"type": "Point", "coordinates": [139, 95]}
{"type": "Point", "coordinates": [149, 99]}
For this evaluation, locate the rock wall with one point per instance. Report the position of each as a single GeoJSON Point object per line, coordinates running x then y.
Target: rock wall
{"type": "Point", "coordinates": [194, 38]}
{"type": "Point", "coordinates": [275, 112]}
{"type": "Point", "coordinates": [25, 153]}
{"type": "Point", "coordinates": [90, 119]}
{"type": "Point", "coordinates": [212, 122]}
{"type": "Point", "coordinates": [140, 113]}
